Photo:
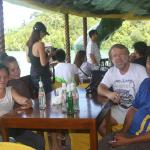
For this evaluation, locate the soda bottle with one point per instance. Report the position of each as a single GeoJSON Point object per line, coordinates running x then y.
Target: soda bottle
{"type": "Point", "coordinates": [41, 96]}
{"type": "Point", "coordinates": [69, 100]}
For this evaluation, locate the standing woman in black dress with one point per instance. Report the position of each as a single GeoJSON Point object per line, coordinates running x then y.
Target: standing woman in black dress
{"type": "Point", "coordinates": [38, 58]}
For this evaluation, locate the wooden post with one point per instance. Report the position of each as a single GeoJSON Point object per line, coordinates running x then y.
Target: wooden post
{"type": "Point", "coordinates": [85, 32]}
{"type": "Point", "coordinates": [67, 38]}
{"type": "Point", "coordinates": [2, 40]}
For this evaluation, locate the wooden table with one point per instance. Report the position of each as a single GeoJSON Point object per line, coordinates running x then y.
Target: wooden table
{"type": "Point", "coordinates": [53, 118]}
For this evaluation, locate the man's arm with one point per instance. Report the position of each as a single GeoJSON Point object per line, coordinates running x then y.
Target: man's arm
{"type": "Point", "coordinates": [121, 140]}
{"type": "Point", "coordinates": [141, 138]}
{"type": "Point", "coordinates": [104, 91]}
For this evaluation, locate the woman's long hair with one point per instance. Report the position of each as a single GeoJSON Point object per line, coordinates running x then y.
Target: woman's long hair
{"type": "Point", "coordinates": [79, 58]}
{"type": "Point", "coordinates": [35, 37]}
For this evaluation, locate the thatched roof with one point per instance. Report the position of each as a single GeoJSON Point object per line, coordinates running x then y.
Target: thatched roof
{"type": "Point", "coordinates": [126, 9]}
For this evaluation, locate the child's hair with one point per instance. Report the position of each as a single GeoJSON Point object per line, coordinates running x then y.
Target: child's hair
{"type": "Point", "coordinates": [60, 55]}
{"type": "Point", "coordinates": [8, 60]}
{"type": "Point", "coordinates": [3, 67]}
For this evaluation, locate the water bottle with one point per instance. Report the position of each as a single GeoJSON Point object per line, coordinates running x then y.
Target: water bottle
{"type": "Point", "coordinates": [42, 113]}
{"type": "Point", "coordinates": [75, 96]}
{"type": "Point", "coordinates": [41, 96]}
{"type": "Point", "coordinates": [64, 97]}
{"type": "Point", "coordinates": [69, 100]}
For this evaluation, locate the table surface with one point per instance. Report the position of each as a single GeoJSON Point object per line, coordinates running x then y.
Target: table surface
{"type": "Point", "coordinates": [89, 108]}
{"type": "Point", "coordinates": [53, 118]}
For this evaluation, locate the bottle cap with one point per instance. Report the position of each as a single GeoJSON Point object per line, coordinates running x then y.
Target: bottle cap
{"type": "Point", "coordinates": [40, 83]}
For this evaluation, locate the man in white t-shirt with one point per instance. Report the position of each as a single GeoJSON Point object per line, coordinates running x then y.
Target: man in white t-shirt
{"type": "Point", "coordinates": [65, 72]}
{"type": "Point", "coordinates": [125, 78]}
{"type": "Point", "coordinates": [92, 50]}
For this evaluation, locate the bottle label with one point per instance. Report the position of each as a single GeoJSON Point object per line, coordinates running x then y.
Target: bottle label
{"type": "Point", "coordinates": [42, 100]}
{"type": "Point", "coordinates": [70, 104]}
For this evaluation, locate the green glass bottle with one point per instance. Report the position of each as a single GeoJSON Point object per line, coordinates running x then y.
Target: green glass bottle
{"type": "Point", "coordinates": [69, 100]}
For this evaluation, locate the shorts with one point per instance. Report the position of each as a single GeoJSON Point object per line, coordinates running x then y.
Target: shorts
{"type": "Point", "coordinates": [118, 113]}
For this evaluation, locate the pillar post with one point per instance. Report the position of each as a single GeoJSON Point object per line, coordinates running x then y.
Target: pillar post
{"type": "Point", "coordinates": [2, 38]}
{"type": "Point", "coordinates": [67, 37]}
{"type": "Point", "coordinates": [85, 32]}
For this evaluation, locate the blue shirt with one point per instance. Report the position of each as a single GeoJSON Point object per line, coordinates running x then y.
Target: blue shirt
{"type": "Point", "coordinates": [142, 98]}
{"type": "Point", "coordinates": [141, 119]}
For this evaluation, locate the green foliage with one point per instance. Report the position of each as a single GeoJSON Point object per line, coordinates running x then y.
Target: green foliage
{"type": "Point", "coordinates": [16, 39]}
{"type": "Point", "coordinates": [130, 32]}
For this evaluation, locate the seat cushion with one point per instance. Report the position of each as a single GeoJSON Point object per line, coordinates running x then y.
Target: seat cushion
{"type": "Point", "coordinates": [81, 141]}
{"type": "Point", "coordinates": [117, 127]}
{"type": "Point", "coordinates": [14, 146]}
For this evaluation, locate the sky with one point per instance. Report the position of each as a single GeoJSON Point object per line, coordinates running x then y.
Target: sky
{"type": "Point", "coordinates": [15, 15]}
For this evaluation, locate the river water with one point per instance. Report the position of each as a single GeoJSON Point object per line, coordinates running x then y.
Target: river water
{"type": "Point", "coordinates": [21, 58]}
{"type": "Point", "coordinates": [25, 66]}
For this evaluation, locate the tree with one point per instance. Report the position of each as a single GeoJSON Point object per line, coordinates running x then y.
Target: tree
{"type": "Point", "coordinates": [127, 34]}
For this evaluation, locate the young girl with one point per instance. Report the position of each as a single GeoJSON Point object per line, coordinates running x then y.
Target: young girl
{"type": "Point", "coordinates": [22, 87]}
{"type": "Point", "coordinates": [14, 70]}
{"type": "Point", "coordinates": [7, 97]}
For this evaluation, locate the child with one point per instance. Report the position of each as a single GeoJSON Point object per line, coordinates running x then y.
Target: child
{"type": "Point", "coordinates": [13, 67]}
{"type": "Point", "coordinates": [65, 72]}
{"type": "Point", "coordinates": [7, 97]}
{"type": "Point", "coordinates": [22, 87]}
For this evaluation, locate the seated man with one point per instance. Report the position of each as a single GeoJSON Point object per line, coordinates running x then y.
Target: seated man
{"type": "Point", "coordinates": [136, 126]}
{"type": "Point", "coordinates": [65, 72]}
{"type": "Point", "coordinates": [125, 78]}
{"type": "Point", "coordinates": [135, 134]}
